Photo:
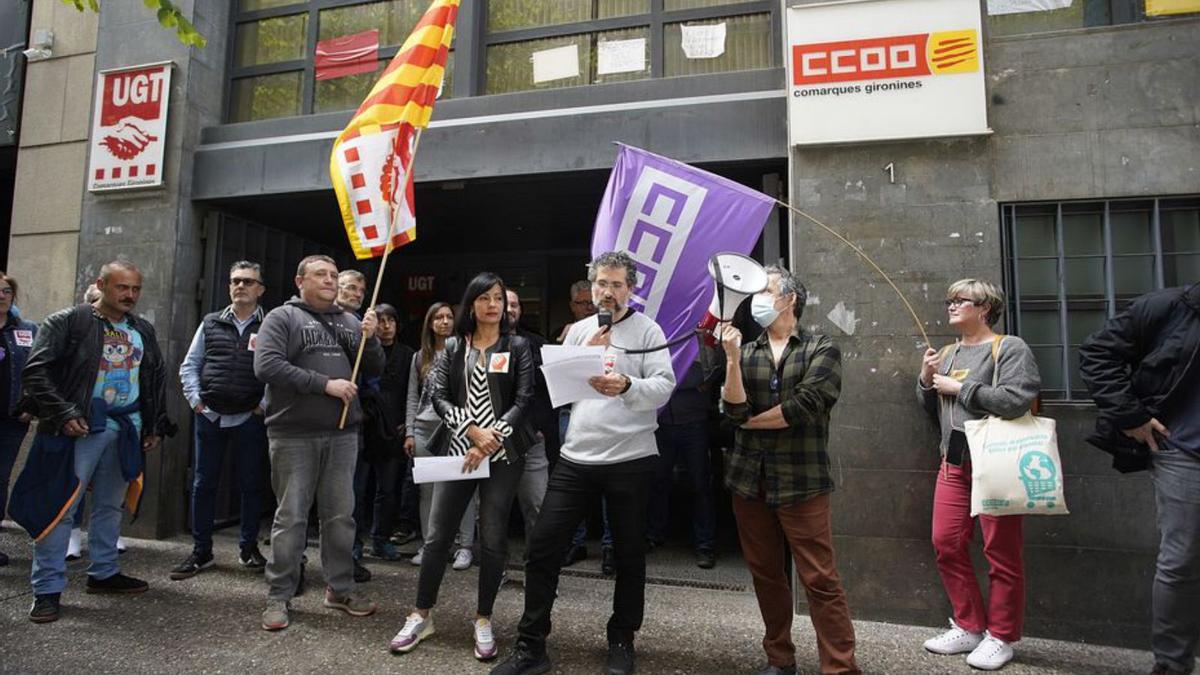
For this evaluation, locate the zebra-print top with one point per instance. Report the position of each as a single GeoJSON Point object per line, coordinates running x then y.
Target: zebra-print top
{"type": "Point", "coordinates": [479, 412]}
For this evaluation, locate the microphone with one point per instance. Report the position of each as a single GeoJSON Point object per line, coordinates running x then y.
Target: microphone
{"type": "Point", "coordinates": [604, 318]}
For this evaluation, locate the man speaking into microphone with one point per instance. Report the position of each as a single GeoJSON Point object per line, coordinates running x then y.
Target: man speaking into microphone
{"type": "Point", "coordinates": [609, 450]}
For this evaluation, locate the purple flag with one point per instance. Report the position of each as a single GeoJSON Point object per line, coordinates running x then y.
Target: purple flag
{"type": "Point", "coordinates": [673, 218]}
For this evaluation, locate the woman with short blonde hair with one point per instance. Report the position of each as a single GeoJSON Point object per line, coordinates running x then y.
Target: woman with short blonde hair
{"type": "Point", "coordinates": [956, 385]}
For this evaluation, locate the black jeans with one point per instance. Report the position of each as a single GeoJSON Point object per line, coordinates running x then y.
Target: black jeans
{"type": "Point", "coordinates": [375, 495]}
{"type": "Point", "coordinates": [450, 499]}
{"type": "Point", "coordinates": [573, 488]}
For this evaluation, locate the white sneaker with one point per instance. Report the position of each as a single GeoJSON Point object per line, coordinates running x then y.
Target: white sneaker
{"type": "Point", "coordinates": [75, 544]}
{"type": "Point", "coordinates": [954, 641]}
{"type": "Point", "coordinates": [415, 629]}
{"type": "Point", "coordinates": [991, 654]}
{"type": "Point", "coordinates": [416, 559]}
{"type": "Point", "coordinates": [121, 547]}
{"type": "Point", "coordinates": [485, 644]}
{"type": "Point", "coordinates": [462, 559]}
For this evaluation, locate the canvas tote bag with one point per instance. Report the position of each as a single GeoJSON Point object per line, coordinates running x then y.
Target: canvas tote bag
{"type": "Point", "coordinates": [1015, 467]}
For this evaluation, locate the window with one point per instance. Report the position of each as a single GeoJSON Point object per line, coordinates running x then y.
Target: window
{"type": "Point", "coordinates": [1072, 265]}
{"type": "Point", "coordinates": [273, 63]}
{"type": "Point", "coordinates": [531, 44]}
{"type": "Point", "coordinates": [1078, 14]}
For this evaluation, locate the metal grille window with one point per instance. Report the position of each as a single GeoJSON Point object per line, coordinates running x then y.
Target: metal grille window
{"type": "Point", "coordinates": [1071, 265]}
{"type": "Point", "coordinates": [531, 44]}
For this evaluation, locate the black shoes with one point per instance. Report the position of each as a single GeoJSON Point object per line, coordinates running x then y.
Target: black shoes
{"type": "Point", "coordinates": [620, 658]}
{"type": "Point", "coordinates": [45, 608]}
{"type": "Point", "coordinates": [251, 558]}
{"type": "Point", "coordinates": [608, 562]}
{"type": "Point", "coordinates": [361, 574]}
{"type": "Point", "coordinates": [523, 662]}
{"type": "Point", "coordinates": [706, 560]}
{"type": "Point", "coordinates": [3, 559]}
{"type": "Point", "coordinates": [117, 583]}
{"type": "Point", "coordinates": [196, 563]}
{"type": "Point", "coordinates": [576, 553]}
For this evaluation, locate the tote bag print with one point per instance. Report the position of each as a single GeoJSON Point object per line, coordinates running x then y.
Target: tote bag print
{"type": "Point", "coordinates": [1015, 467]}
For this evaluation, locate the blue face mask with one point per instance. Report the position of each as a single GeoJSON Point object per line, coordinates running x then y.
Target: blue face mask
{"type": "Point", "coordinates": [762, 307]}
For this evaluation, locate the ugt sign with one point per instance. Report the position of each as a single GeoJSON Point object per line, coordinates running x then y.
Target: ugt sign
{"type": "Point", "coordinates": [129, 127]}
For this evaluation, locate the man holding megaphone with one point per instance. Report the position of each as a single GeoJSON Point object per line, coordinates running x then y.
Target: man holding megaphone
{"type": "Point", "coordinates": [779, 391]}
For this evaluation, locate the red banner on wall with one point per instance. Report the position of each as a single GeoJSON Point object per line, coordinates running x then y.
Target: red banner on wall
{"type": "Point", "coordinates": [348, 55]}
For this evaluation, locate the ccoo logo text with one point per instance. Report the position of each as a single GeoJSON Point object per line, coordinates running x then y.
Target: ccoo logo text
{"type": "Point", "coordinates": [942, 53]}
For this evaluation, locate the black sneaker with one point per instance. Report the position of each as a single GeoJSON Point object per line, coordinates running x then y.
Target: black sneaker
{"type": "Point", "coordinates": [251, 558]}
{"type": "Point", "coordinates": [576, 553]}
{"type": "Point", "coordinates": [195, 563]}
{"type": "Point", "coordinates": [3, 559]}
{"type": "Point", "coordinates": [620, 658]}
{"type": "Point", "coordinates": [117, 583]}
{"type": "Point", "coordinates": [404, 536]}
{"type": "Point", "coordinates": [608, 562]}
{"type": "Point", "coordinates": [45, 608]}
{"type": "Point", "coordinates": [361, 574]}
{"type": "Point", "coordinates": [706, 560]}
{"type": "Point", "coordinates": [523, 662]}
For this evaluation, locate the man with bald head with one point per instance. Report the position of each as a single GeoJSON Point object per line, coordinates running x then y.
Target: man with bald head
{"type": "Point", "coordinates": [96, 382]}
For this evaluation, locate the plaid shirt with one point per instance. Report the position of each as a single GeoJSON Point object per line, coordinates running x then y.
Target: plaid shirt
{"type": "Point", "coordinates": [784, 466]}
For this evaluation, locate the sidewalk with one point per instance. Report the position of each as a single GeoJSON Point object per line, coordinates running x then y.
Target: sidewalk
{"type": "Point", "coordinates": [210, 623]}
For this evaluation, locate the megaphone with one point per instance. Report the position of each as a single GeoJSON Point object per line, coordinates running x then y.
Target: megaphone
{"type": "Point", "coordinates": [735, 277]}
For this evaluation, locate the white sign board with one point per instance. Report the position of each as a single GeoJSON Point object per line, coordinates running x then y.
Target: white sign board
{"type": "Point", "coordinates": [129, 128]}
{"type": "Point", "coordinates": [879, 70]}
{"type": "Point", "coordinates": [557, 63]}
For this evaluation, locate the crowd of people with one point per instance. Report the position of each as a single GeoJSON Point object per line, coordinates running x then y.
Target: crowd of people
{"type": "Point", "coordinates": [276, 390]}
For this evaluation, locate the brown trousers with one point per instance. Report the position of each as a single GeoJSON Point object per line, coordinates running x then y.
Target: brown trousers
{"type": "Point", "coordinates": [804, 527]}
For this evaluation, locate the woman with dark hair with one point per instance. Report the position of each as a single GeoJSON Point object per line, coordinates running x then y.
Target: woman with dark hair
{"type": "Point", "coordinates": [422, 423]}
{"type": "Point", "coordinates": [383, 436]}
{"type": "Point", "coordinates": [981, 374]}
{"type": "Point", "coordinates": [16, 337]}
{"type": "Point", "coordinates": [482, 388]}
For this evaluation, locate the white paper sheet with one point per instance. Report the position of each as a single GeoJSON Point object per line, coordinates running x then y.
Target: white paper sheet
{"type": "Point", "coordinates": [567, 378]}
{"type": "Point", "coordinates": [621, 56]}
{"type": "Point", "coordinates": [703, 42]}
{"type": "Point", "coordinates": [441, 469]}
{"type": "Point", "coordinates": [552, 353]}
{"type": "Point", "coordinates": [556, 64]}
{"type": "Point", "coordinates": [995, 7]}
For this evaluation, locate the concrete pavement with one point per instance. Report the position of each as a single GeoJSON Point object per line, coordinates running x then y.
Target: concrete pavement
{"type": "Point", "coordinates": [210, 623]}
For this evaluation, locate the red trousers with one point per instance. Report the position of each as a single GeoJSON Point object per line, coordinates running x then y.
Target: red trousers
{"type": "Point", "coordinates": [804, 527]}
{"type": "Point", "coordinates": [953, 527]}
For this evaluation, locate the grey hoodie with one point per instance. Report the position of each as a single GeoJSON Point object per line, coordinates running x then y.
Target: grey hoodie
{"type": "Point", "coordinates": [295, 355]}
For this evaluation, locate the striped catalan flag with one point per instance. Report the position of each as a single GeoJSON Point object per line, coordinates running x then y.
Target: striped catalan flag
{"type": "Point", "coordinates": [372, 159]}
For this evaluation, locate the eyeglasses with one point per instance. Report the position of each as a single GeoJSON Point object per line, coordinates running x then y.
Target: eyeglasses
{"type": "Point", "coordinates": [955, 302]}
{"type": "Point", "coordinates": [582, 303]}
{"type": "Point", "coordinates": [7, 292]}
{"type": "Point", "coordinates": [244, 281]}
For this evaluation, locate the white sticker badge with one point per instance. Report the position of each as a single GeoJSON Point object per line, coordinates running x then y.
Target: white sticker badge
{"type": "Point", "coordinates": [253, 342]}
{"type": "Point", "coordinates": [24, 338]}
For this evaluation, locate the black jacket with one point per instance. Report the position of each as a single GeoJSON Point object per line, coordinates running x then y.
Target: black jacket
{"type": "Point", "coordinates": [63, 364]}
{"type": "Point", "coordinates": [227, 382]}
{"type": "Point", "coordinates": [511, 392]}
{"type": "Point", "coordinates": [1134, 364]}
{"type": "Point", "coordinates": [383, 402]}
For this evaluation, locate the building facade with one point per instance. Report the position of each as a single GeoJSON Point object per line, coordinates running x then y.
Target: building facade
{"type": "Point", "coordinates": [1085, 194]}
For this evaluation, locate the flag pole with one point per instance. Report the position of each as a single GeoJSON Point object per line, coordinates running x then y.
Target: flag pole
{"type": "Point", "coordinates": [865, 257]}
{"type": "Point", "coordinates": [387, 253]}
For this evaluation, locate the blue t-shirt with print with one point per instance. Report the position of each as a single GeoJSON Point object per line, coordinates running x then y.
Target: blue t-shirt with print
{"type": "Point", "coordinates": [120, 365]}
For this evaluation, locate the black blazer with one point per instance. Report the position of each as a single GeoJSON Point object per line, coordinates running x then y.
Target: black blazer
{"type": "Point", "coordinates": [511, 392]}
